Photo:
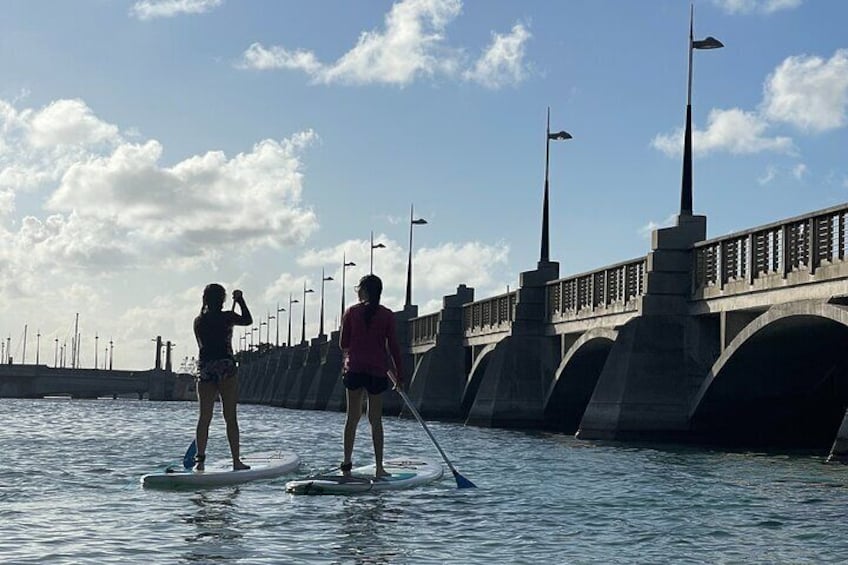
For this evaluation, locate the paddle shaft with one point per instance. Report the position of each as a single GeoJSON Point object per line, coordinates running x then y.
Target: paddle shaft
{"type": "Point", "coordinates": [423, 425]}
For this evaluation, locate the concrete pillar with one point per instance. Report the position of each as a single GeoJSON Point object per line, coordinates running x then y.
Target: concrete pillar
{"type": "Point", "coordinates": [511, 393]}
{"type": "Point", "coordinates": [660, 358]}
{"type": "Point", "coordinates": [435, 386]}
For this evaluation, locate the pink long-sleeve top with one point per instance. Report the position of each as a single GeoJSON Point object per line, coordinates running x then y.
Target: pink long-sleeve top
{"type": "Point", "coordinates": [365, 346]}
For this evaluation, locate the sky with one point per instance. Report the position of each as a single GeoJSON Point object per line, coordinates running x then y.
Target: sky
{"type": "Point", "coordinates": [150, 147]}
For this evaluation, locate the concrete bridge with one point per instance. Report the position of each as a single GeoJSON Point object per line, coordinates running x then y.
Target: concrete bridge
{"type": "Point", "coordinates": [740, 339]}
{"type": "Point", "coordinates": [38, 381]}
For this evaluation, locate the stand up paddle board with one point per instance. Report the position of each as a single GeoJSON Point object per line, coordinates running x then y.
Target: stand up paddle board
{"type": "Point", "coordinates": [406, 472]}
{"type": "Point", "coordinates": [265, 465]}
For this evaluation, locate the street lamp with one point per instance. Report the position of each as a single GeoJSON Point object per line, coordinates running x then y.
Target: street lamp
{"type": "Point", "coordinates": [321, 323]}
{"type": "Point", "coordinates": [303, 331]}
{"type": "Point", "coordinates": [262, 323]}
{"type": "Point", "coordinates": [412, 222]}
{"type": "Point", "coordinates": [345, 265]}
{"type": "Point", "coordinates": [373, 247]}
{"type": "Point", "coordinates": [277, 323]}
{"type": "Point", "coordinates": [544, 256]}
{"type": "Point", "coordinates": [295, 301]}
{"type": "Point", "coordinates": [686, 183]}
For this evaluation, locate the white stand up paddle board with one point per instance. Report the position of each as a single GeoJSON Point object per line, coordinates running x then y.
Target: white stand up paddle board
{"type": "Point", "coordinates": [265, 465]}
{"type": "Point", "coordinates": [406, 472]}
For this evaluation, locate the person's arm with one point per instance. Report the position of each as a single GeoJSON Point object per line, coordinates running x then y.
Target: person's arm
{"type": "Point", "coordinates": [394, 348]}
{"type": "Point", "coordinates": [344, 332]}
{"type": "Point", "coordinates": [197, 332]}
{"type": "Point", "coordinates": [244, 318]}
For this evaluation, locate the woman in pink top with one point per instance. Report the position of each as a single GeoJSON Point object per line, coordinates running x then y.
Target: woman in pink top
{"type": "Point", "coordinates": [369, 342]}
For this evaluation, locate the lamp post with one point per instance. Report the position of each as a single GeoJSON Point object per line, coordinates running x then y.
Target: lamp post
{"type": "Point", "coordinates": [37, 346]}
{"type": "Point", "coordinates": [321, 323]}
{"type": "Point", "coordinates": [262, 323]}
{"type": "Point", "coordinates": [295, 301]}
{"type": "Point", "coordinates": [345, 265]}
{"type": "Point", "coordinates": [412, 222]}
{"type": "Point", "coordinates": [686, 183]}
{"type": "Point", "coordinates": [544, 256]}
{"type": "Point", "coordinates": [96, 349]}
{"type": "Point", "coordinates": [277, 323]}
{"type": "Point", "coordinates": [303, 329]}
{"type": "Point", "coordinates": [373, 247]}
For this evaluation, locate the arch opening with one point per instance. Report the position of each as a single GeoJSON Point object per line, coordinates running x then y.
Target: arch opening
{"type": "Point", "coordinates": [785, 386]}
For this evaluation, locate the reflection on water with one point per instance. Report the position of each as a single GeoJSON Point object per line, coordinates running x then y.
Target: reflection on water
{"type": "Point", "coordinates": [217, 535]}
{"type": "Point", "coordinates": [367, 532]}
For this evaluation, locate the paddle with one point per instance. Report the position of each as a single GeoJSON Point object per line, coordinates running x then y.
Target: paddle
{"type": "Point", "coordinates": [188, 458]}
{"type": "Point", "coordinates": [461, 482]}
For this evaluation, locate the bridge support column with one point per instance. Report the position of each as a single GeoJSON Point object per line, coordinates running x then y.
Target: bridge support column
{"type": "Point", "coordinates": [327, 377]}
{"type": "Point", "coordinates": [436, 384]}
{"type": "Point", "coordinates": [659, 358]}
{"type": "Point", "coordinates": [512, 389]}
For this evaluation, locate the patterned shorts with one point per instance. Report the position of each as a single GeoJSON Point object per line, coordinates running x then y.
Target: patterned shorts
{"type": "Point", "coordinates": [217, 371]}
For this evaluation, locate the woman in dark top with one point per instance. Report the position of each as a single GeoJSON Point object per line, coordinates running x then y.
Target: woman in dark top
{"type": "Point", "coordinates": [213, 329]}
{"type": "Point", "coordinates": [369, 340]}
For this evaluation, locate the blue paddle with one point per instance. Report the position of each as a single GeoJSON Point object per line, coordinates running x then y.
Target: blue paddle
{"type": "Point", "coordinates": [461, 482]}
{"type": "Point", "coordinates": [188, 458]}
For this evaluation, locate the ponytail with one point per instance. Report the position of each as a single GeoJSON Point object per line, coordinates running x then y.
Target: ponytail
{"type": "Point", "coordinates": [373, 287]}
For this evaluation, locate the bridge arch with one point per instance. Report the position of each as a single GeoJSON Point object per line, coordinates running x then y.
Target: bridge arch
{"type": "Point", "coordinates": [575, 379]}
{"type": "Point", "coordinates": [782, 381]}
{"type": "Point", "coordinates": [475, 377]}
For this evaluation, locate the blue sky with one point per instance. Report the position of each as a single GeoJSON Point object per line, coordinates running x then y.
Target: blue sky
{"type": "Point", "coordinates": [150, 147]}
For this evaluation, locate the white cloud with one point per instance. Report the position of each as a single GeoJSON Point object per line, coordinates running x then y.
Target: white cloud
{"type": "Point", "coordinates": [502, 63]}
{"type": "Point", "coordinates": [756, 6]}
{"type": "Point", "coordinates": [264, 59]}
{"type": "Point", "coordinates": [203, 202]}
{"type": "Point", "coordinates": [770, 174]}
{"type": "Point", "coordinates": [411, 45]}
{"type": "Point", "coordinates": [114, 205]}
{"type": "Point", "coordinates": [150, 9]}
{"type": "Point", "coordinates": [734, 131]}
{"type": "Point", "coordinates": [799, 170]}
{"type": "Point", "coordinates": [69, 122]}
{"type": "Point", "coordinates": [646, 230]}
{"type": "Point", "coordinates": [809, 92]}
{"type": "Point", "coordinates": [436, 270]}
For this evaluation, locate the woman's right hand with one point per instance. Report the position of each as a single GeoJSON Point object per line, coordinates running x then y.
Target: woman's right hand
{"type": "Point", "coordinates": [237, 296]}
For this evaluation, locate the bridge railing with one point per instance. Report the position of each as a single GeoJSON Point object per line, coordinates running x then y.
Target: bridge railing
{"type": "Point", "coordinates": [423, 329]}
{"type": "Point", "coordinates": [804, 243]}
{"type": "Point", "coordinates": [490, 314]}
{"type": "Point", "coordinates": [580, 294]}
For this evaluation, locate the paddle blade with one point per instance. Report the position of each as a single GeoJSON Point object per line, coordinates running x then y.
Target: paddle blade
{"type": "Point", "coordinates": [462, 482]}
{"type": "Point", "coordinates": [188, 458]}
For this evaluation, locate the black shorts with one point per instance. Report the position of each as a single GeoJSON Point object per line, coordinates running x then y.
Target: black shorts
{"type": "Point", "coordinates": [373, 384]}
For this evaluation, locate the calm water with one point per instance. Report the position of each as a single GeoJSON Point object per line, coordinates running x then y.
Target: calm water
{"type": "Point", "coordinates": [69, 494]}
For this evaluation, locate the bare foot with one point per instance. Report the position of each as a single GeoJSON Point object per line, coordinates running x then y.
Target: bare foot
{"type": "Point", "coordinates": [381, 473]}
{"type": "Point", "coordinates": [345, 468]}
{"type": "Point", "coordinates": [239, 466]}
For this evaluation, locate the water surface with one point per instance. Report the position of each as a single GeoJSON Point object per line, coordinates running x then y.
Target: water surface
{"type": "Point", "coordinates": [69, 493]}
